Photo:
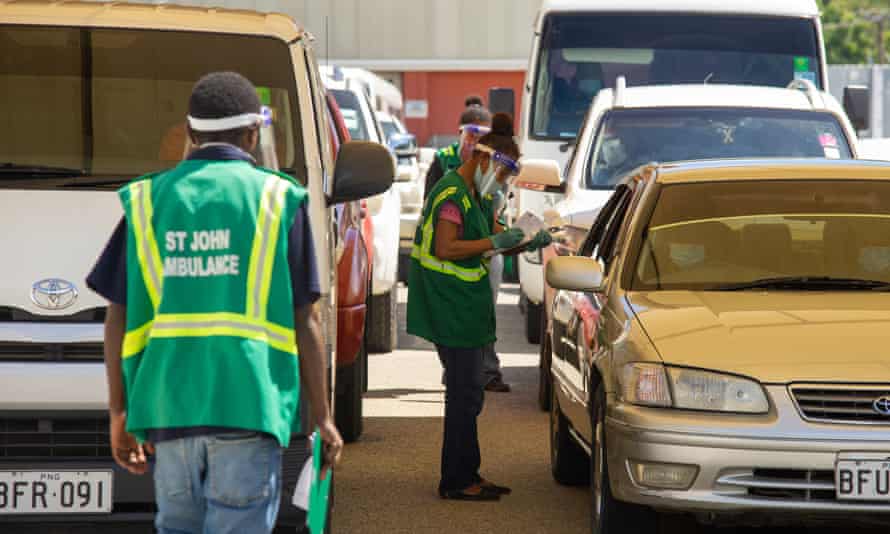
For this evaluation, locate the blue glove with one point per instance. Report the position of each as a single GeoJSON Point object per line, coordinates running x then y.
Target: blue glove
{"type": "Point", "coordinates": [509, 238]}
{"type": "Point", "coordinates": [542, 239]}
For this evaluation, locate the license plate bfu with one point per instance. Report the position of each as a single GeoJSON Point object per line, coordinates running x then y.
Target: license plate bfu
{"type": "Point", "coordinates": [863, 477]}
{"type": "Point", "coordinates": [55, 492]}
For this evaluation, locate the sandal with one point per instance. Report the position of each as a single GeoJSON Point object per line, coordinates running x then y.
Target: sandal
{"type": "Point", "coordinates": [485, 494]}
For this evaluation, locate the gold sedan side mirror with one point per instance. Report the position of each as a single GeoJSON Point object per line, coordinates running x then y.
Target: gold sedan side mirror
{"type": "Point", "coordinates": [575, 273]}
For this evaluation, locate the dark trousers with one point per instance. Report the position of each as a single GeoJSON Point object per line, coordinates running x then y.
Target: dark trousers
{"type": "Point", "coordinates": [464, 395]}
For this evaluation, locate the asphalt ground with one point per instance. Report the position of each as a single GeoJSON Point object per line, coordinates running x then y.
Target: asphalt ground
{"type": "Point", "coordinates": [387, 481]}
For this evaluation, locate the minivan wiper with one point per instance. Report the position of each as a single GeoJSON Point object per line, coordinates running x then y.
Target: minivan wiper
{"type": "Point", "coordinates": [805, 282]}
{"type": "Point", "coordinates": [18, 169]}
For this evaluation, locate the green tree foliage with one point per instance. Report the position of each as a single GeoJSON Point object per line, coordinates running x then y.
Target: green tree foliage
{"type": "Point", "coordinates": [850, 37]}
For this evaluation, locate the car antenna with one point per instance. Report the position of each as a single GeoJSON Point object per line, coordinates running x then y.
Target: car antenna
{"type": "Point", "coordinates": [708, 78]}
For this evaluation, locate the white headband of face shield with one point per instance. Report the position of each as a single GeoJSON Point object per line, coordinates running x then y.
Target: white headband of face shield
{"type": "Point", "coordinates": [225, 123]}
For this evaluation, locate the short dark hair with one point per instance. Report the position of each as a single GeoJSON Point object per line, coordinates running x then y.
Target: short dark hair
{"type": "Point", "coordinates": [222, 94]}
{"type": "Point", "coordinates": [474, 100]}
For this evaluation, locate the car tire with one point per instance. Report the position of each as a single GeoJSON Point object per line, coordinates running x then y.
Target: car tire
{"type": "Point", "coordinates": [545, 381]}
{"type": "Point", "coordinates": [533, 314]}
{"type": "Point", "coordinates": [568, 461]}
{"type": "Point", "coordinates": [365, 337]}
{"type": "Point", "coordinates": [607, 514]}
{"type": "Point", "coordinates": [383, 335]}
{"type": "Point", "coordinates": [348, 410]}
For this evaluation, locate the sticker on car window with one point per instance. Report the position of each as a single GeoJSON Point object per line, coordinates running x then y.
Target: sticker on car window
{"type": "Point", "coordinates": [802, 70]}
{"type": "Point", "coordinates": [830, 146]}
{"type": "Point", "coordinates": [687, 255]}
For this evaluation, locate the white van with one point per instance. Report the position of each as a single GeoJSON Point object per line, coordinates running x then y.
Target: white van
{"type": "Point", "coordinates": [582, 46]}
{"type": "Point", "coordinates": [96, 101]}
{"type": "Point", "coordinates": [353, 98]}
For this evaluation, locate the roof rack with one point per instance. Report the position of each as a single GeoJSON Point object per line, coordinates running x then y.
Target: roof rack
{"type": "Point", "coordinates": [618, 94]}
{"type": "Point", "coordinates": [811, 90]}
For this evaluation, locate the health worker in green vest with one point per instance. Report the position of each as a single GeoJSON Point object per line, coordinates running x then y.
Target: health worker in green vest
{"type": "Point", "coordinates": [475, 122]}
{"type": "Point", "coordinates": [450, 299]}
{"type": "Point", "coordinates": [211, 327]}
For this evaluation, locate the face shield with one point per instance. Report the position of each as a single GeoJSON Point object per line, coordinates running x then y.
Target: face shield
{"type": "Point", "coordinates": [265, 154]}
{"type": "Point", "coordinates": [501, 171]}
{"type": "Point", "coordinates": [469, 136]}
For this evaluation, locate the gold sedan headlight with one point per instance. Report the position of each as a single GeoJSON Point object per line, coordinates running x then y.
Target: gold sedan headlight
{"type": "Point", "coordinates": [652, 384]}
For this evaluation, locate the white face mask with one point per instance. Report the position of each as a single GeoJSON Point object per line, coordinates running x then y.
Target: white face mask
{"type": "Point", "coordinates": [486, 183]}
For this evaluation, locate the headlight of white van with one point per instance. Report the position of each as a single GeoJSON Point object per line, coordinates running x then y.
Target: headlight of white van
{"type": "Point", "coordinates": [716, 392]}
{"type": "Point", "coordinates": [651, 384]}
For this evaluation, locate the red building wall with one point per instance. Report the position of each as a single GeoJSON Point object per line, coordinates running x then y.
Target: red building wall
{"type": "Point", "coordinates": [445, 92]}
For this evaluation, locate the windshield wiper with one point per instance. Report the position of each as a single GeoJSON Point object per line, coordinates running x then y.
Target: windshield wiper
{"type": "Point", "coordinates": [805, 283]}
{"type": "Point", "coordinates": [18, 169]}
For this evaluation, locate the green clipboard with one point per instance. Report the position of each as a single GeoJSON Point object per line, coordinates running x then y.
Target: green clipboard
{"type": "Point", "coordinates": [319, 491]}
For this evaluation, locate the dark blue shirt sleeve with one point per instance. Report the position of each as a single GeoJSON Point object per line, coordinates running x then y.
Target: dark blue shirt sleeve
{"type": "Point", "coordinates": [109, 276]}
{"type": "Point", "coordinates": [301, 259]}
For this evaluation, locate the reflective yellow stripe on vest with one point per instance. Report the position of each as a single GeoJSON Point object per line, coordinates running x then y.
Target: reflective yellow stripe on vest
{"type": "Point", "coordinates": [146, 245]}
{"type": "Point", "coordinates": [250, 325]}
{"type": "Point", "coordinates": [428, 261]}
{"type": "Point", "coordinates": [209, 324]}
{"type": "Point", "coordinates": [262, 255]}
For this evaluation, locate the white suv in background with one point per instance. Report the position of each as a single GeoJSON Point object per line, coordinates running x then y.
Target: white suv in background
{"type": "Point", "coordinates": [385, 209]}
{"type": "Point", "coordinates": [626, 128]}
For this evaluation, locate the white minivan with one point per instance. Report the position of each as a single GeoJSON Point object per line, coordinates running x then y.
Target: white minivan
{"type": "Point", "coordinates": [582, 46]}
{"type": "Point", "coordinates": [354, 99]}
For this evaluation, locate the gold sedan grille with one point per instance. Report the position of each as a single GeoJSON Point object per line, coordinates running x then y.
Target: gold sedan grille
{"type": "Point", "coordinates": [851, 404]}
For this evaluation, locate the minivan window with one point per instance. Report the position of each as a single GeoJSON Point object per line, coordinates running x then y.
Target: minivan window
{"type": "Point", "coordinates": [583, 53]}
{"type": "Point", "coordinates": [112, 104]}
{"type": "Point", "coordinates": [629, 138]}
{"type": "Point", "coordinates": [351, 109]}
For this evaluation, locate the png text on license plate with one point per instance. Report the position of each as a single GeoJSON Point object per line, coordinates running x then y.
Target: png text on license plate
{"type": "Point", "coordinates": [863, 479]}
{"type": "Point", "coordinates": [55, 492]}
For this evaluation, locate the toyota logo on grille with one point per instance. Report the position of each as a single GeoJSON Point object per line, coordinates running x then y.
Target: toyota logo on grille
{"type": "Point", "coordinates": [53, 294]}
{"type": "Point", "coordinates": [882, 405]}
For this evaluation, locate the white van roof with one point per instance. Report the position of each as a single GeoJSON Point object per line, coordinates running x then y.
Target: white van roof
{"type": "Point", "coordinates": [789, 8]}
{"type": "Point", "coordinates": [717, 95]}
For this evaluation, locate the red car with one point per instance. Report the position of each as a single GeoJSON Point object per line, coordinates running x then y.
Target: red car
{"type": "Point", "coordinates": [354, 246]}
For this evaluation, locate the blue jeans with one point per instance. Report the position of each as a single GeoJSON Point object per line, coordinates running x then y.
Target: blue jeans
{"type": "Point", "coordinates": [218, 484]}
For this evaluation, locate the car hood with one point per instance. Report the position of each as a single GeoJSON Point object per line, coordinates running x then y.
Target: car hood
{"type": "Point", "coordinates": [775, 337]}
{"type": "Point", "coordinates": [53, 234]}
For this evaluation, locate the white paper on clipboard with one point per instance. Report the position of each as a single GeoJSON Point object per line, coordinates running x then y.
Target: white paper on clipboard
{"type": "Point", "coordinates": [530, 224]}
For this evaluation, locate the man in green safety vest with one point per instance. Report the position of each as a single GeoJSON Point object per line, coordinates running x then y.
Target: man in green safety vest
{"type": "Point", "coordinates": [211, 282]}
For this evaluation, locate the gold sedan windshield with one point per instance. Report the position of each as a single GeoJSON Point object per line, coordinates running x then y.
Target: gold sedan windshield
{"type": "Point", "coordinates": [719, 235]}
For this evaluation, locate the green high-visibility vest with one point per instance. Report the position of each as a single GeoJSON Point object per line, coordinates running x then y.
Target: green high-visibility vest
{"type": "Point", "coordinates": [450, 302]}
{"type": "Point", "coordinates": [210, 323]}
{"type": "Point", "coordinates": [449, 158]}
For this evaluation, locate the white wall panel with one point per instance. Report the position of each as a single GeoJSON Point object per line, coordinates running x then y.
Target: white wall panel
{"type": "Point", "coordinates": [407, 31]}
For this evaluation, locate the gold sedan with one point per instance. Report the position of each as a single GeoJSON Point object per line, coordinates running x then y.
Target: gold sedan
{"type": "Point", "coordinates": [721, 346]}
